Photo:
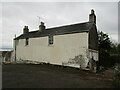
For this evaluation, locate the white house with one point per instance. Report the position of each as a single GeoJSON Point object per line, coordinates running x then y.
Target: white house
{"type": "Point", "coordinates": [73, 45]}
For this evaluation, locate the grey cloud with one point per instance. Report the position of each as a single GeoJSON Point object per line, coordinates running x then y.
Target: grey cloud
{"type": "Point", "coordinates": [17, 15]}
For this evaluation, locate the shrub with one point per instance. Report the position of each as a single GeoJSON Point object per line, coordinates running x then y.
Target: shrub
{"type": "Point", "coordinates": [116, 80]}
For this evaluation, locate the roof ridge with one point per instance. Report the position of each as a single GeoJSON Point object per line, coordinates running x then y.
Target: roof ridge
{"type": "Point", "coordinates": [62, 26]}
{"type": "Point", "coordinates": [68, 25]}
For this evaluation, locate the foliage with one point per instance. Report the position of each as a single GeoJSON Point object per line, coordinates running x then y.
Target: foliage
{"type": "Point", "coordinates": [104, 48]}
{"type": "Point", "coordinates": [118, 48]}
{"type": "Point", "coordinates": [109, 55]}
{"type": "Point", "coordinates": [104, 41]}
{"type": "Point", "coordinates": [109, 52]}
{"type": "Point", "coordinates": [116, 80]}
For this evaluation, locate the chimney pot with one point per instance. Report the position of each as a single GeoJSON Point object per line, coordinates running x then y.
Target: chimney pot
{"type": "Point", "coordinates": [42, 27]}
{"type": "Point", "coordinates": [25, 30]}
{"type": "Point", "coordinates": [92, 11]}
{"type": "Point", "coordinates": [92, 16]}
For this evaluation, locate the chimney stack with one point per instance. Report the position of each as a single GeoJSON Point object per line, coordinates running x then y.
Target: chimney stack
{"type": "Point", "coordinates": [25, 30]}
{"type": "Point", "coordinates": [92, 16]}
{"type": "Point", "coordinates": [41, 27]}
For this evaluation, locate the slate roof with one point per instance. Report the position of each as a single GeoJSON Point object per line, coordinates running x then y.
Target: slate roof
{"type": "Point", "coordinates": [68, 29]}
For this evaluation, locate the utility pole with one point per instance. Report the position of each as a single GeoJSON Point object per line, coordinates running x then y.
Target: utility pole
{"type": "Point", "coordinates": [15, 47]}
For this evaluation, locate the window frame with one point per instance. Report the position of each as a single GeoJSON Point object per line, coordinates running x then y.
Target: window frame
{"type": "Point", "coordinates": [50, 40]}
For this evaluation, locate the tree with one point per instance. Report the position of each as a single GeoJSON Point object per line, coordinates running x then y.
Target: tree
{"type": "Point", "coordinates": [118, 48]}
{"type": "Point", "coordinates": [104, 44]}
{"type": "Point", "coordinates": [104, 41]}
{"type": "Point", "coordinates": [114, 49]}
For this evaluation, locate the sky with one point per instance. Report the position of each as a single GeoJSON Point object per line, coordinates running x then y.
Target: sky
{"type": "Point", "coordinates": [16, 15]}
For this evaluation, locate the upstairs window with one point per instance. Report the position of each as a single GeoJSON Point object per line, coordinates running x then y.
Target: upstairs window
{"type": "Point", "coordinates": [50, 40]}
{"type": "Point", "coordinates": [26, 41]}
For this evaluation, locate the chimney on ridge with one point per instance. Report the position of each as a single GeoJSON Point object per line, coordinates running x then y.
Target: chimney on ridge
{"type": "Point", "coordinates": [41, 27]}
{"type": "Point", "coordinates": [92, 16]}
{"type": "Point", "coordinates": [25, 30]}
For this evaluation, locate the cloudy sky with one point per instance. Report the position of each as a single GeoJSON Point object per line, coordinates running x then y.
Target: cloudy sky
{"type": "Point", "coordinates": [15, 15]}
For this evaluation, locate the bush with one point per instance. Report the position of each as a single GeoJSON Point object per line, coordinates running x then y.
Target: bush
{"type": "Point", "coordinates": [116, 80]}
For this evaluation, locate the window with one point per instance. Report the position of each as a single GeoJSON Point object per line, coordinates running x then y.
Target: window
{"type": "Point", "coordinates": [50, 40]}
{"type": "Point", "coordinates": [27, 41]}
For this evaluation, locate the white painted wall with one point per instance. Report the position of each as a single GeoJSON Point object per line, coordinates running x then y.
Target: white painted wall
{"type": "Point", "coordinates": [65, 47]}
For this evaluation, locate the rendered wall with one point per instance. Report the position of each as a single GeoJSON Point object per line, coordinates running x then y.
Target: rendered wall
{"type": "Point", "coordinates": [65, 48]}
